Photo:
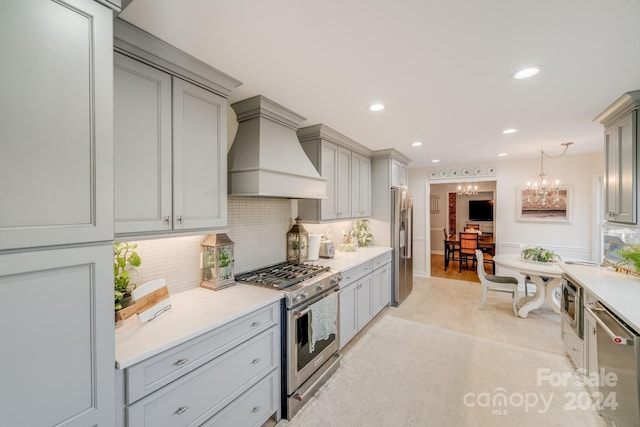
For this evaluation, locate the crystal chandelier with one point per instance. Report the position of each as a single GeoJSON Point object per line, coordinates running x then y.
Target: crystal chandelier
{"type": "Point", "coordinates": [468, 190]}
{"type": "Point", "coordinates": [542, 189]}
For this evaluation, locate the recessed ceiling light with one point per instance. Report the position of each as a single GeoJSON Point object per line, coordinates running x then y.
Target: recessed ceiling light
{"type": "Point", "coordinates": [376, 107]}
{"type": "Point", "coordinates": [502, 154]}
{"type": "Point", "coordinates": [525, 73]}
{"type": "Point", "coordinates": [508, 131]}
{"type": "Point", "coordinates": [416, 144]}
{"type": "Point", "coordinates": [435, 161]}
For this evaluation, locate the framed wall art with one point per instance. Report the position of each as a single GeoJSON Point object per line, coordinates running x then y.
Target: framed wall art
{"type": "Point", "coordinates": [554, 206]}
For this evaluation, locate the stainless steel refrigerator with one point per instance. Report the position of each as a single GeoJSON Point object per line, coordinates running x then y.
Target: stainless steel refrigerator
{"type": "Point", "coordinates": [402, 242]}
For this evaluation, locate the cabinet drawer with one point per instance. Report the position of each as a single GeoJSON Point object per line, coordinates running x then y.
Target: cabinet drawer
{"type": "Point", "coordinates": [203, 392]}
{"type": "Point", "coordinates": [253, 408]}
{"type": "Point", "coordinates": [155, 372]}
{"type": "Point", "coordinates": [381, 260]}
{"type": "Point", "coordinates": [574, 346]}
{"type": "Point", "coordinates": [353, 274]}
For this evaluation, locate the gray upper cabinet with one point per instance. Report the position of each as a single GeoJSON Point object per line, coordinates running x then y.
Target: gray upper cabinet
{"type": "Point", "coordinates": [360, 186]}
{"type": "Point", "coordinates": [170, 137]}
{"type": "Point", "coordinates": [56, 123]}
{"type": "Point", "coordinates": [346, 166]}
{"type": "Point", "coordinates": [621, 163]}
{"type": "Point", "coordinates": [142, 147]}
{"type": "Point", "coordinates": [399, 174]}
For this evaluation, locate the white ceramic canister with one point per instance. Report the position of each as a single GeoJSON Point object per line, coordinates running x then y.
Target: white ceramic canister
{"type": "Point", "coordinates": [314, 247]}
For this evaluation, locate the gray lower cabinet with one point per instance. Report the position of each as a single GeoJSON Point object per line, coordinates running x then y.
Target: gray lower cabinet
{"type": "Point", "coordinates": [573, 344]}
{"type": "Point", "coordinates": [56, 362]}
{"type": "Point", "coordinates": [365, 291]}
{"type": "Point", "coordinates": [227, 376]}
{"type": "Point", "coordinates": [590, 342]}
{"type": "Point", "coordinates": [170, 152]}
{"type": "Point", "coordinates": [56, 123]}
{"type": "Point", "coordinates": [381, 282]}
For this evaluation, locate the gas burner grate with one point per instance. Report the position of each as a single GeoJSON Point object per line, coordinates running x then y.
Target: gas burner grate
{"type": "Point", "coordinates": [281, 275]}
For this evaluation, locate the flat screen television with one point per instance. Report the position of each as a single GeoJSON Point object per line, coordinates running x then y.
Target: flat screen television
{"type": "Point", "coordinates": [480, 210]}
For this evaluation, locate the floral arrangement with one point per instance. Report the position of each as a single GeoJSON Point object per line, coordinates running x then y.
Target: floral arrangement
{"type": "Point", "coordinates": [538, 254]}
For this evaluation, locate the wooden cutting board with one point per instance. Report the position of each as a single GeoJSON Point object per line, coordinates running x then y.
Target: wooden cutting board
{"type": "Point", "coordinates": [149, 300]}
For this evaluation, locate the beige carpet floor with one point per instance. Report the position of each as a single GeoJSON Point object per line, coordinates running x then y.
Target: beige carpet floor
{"type": "Point", "coordinates": [404, 373]}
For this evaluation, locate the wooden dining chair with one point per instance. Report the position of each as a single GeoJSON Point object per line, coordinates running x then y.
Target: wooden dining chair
{"type": "Point", "coordinates": [451, 248]}
{"type": "Point", "coordinates": [472, 227]}
{"type": "Point", "coordinates": [468, 246]}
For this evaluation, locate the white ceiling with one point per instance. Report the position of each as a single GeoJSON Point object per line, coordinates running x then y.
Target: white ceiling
{"type": "Point", "coordinates": [442, 67]}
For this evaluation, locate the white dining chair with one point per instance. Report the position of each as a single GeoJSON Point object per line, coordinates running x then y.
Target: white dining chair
{"type": "Point", "coordinates": [491, 282]}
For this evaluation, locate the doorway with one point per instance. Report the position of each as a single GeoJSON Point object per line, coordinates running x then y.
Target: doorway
{"type": "Point", "coordinates": [453, 216]}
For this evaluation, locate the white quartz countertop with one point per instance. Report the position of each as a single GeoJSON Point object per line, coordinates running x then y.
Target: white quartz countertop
{"type": "Point", "coordinates": [619, 292]}
{"type": "Point", "coordinates": [192, 313]}
{"type": "Point", "coordinates": [343, 261]}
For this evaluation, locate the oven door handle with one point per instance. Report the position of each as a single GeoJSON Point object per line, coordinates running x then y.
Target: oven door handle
{"type": "Point", "coordinates": [300, 313]}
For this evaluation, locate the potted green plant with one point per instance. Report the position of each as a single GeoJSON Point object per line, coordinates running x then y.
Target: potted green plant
{"type": "Point", "coordinates": [125, 261]}
{"type": "Point", "coordinates": [630, 258]}
{"type": "Point", "coordinates": [539, 254]}
{"type": "Point", "coordinates": [362, 233]}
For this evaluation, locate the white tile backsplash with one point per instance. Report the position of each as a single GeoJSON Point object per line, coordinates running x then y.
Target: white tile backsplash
{"type": "Point", "coordinates": [257, 225]}
{"type": "Point", "coordinates": [176, 259]}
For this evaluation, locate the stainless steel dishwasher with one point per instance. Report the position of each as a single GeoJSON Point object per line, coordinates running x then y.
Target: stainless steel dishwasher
{"type": "Point", "coordinates": [618, 353]}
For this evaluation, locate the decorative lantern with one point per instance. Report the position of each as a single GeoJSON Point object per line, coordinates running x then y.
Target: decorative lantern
{"type": "Point", "coordinates": [217, 262]}
{"type": "Point", "coordinates": [297, 243]}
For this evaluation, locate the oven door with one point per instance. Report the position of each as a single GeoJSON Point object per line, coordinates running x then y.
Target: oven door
{"type": "Point", "coordinates": [308, 349]}
{"type": "Point", "coordinates": [571, 306]}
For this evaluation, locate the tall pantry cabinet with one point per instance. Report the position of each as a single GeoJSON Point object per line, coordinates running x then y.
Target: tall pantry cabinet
{"type": "Point", "coordinates": [56, 214]}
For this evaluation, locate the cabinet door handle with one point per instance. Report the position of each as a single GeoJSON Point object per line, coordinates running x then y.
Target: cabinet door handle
{"type": "Point", "coordinates": [181, 362]}
{"type": "Point", "coordinates": [254, 324]}
{"type": "Point", "coordinates": [182, 410]}
{"type": "Point", "coordinates": [179, 219]}
{"type": "Point", "coordinates": [255, 361]}
{"type": "Point", "coordinates": [167, 220]}
{"type": "Point", "coordinates": [255, 409]}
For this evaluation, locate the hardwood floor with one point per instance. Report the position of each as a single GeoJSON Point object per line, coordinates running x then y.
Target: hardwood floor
{"type": "Point", "coordinates": [437, 270]}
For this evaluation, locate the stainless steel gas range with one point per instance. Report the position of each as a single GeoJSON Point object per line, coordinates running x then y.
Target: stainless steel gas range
{"type": "Point", "coordinates": [311, 326]}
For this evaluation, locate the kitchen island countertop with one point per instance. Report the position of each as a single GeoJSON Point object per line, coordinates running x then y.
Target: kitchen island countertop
{"type": "Point", "coordinates": [343, 261]}
{"type": "Point", "coordinates": [620, 292]}
{"type": "Point", "coordinates": [193, 313]}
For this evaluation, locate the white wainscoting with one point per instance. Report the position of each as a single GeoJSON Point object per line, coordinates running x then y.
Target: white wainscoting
{"type": "Point", "coordinates": [420, 258]}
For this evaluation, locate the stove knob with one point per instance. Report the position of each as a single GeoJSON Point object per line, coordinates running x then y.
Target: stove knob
{"type": "Point", "coordinates": [320, 287]}
{"type": "Point", "coordinates": [298, 298]}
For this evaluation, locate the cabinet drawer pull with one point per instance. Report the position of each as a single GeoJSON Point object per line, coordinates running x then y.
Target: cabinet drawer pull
{"type": "Point", "coordinates": [254, 324]}
{"type": "Point", "coordinates": [182, 410]}
{"type": "Point", "coordinates": [181, 362]}
{"type": "Point", "coordinates": [255, 361]}
{"type": "Point", "coordinates": [255, 409]}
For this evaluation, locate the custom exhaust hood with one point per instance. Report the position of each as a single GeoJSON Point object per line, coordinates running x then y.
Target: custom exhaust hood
{"type": "Point", "coordinates": [266, 158]}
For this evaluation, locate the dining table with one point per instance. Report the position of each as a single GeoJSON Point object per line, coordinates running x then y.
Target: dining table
{"type": "Point", "coordinates": [547, 276]}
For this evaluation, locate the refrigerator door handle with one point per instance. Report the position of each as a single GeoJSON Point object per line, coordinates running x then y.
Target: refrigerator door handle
{"type": "Point", "coordinates": [406, 236]}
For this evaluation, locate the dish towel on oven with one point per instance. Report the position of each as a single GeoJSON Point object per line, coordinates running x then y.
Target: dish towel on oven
{"type": "Point", "coordinates": [323, 319]}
